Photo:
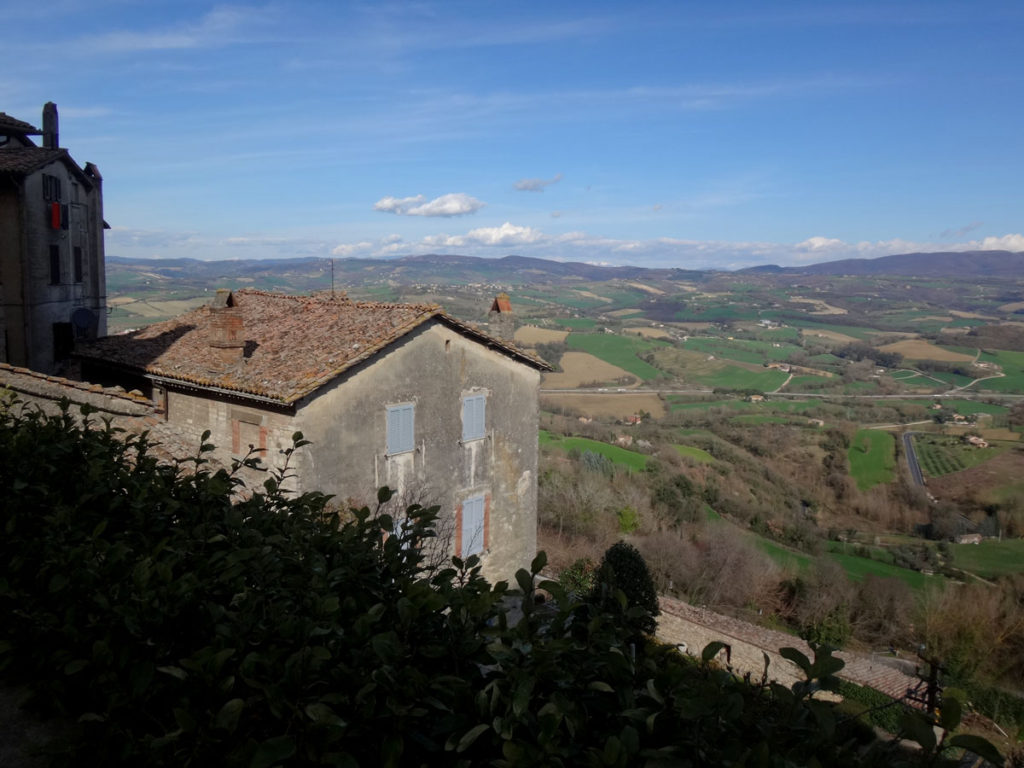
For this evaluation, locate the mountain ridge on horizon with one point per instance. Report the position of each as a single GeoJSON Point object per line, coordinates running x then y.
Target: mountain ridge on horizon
{"type": "Point", "coordinates": [522, 269]}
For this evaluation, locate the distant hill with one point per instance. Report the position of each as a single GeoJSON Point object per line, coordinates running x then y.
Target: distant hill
{"type": "Point", "coordinates": [942, 264]}
{"type": "Point", "coordinates": [313, 274]}
{"type": "Point", "coordinates": [310, 274]}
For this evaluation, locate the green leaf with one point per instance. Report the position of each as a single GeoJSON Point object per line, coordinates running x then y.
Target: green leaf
{"type": "Point", "coordinates": [919, 729]}
{"type": "Point", "coordinates": [599, 685]}
{"type": "Point", "coordinates": [539, 562]}
{"type": "Point", "coordinates": [75, 666]}
{"type": "Point", "coordinates": [384, 495]}
{"type": "Point", "coordinates": [319, 712]}
{"type": "Point", "coordinates": [525, 580]}
{"type": "Point", "coordinates": [273, 751]}
{"type": "Point", "coordinates": [825, 666]}
{"type": "Point", "coordinates": [983, 748]}
{"type": "Point", "coordinates": [177, 672]}
{"type": "Point", "coordinates": [950, 714]}
{"type": "Point", "coordinates": [711, 650]}
{"type": "Point", "coordinates": [470, 736]}
{"type": "Point", "coordinates": [798, 658]}
{"type": "Point", "coordinates": [227, 717]}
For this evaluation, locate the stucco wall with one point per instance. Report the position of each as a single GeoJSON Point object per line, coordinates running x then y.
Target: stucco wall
{"type": "Point", "coordinates": [434, 368]}
{"type": "Point", "coordinates": [46, 304]}
{"type": "Point", "coordinates": [233, 427]}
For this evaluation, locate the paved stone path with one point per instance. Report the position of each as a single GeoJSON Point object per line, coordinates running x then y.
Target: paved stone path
{"type": "Point", "coordinates": [696, 627]}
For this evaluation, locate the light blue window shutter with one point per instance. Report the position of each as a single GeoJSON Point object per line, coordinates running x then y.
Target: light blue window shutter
{"type": "Point", "coordinates": [401, 435]}
{"type": "Point", "coordinates": [473, 417]}
{"type": "Point", "coordinates": [473, 526]}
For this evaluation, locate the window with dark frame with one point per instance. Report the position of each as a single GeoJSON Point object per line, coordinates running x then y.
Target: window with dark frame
{"type": "Point", "coordinates": [77, 263]}
{"type": "Point", "coordinates": [54, 265]}
{"type": "Point", "coordinates": [51, 188]}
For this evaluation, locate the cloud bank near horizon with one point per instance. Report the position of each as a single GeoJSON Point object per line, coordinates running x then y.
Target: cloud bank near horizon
{"type": "Point", "coordinates": [506, 238]}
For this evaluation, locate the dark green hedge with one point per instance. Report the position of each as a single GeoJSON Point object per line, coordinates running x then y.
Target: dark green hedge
{"type": "Point", "coordinates": [179, 621]}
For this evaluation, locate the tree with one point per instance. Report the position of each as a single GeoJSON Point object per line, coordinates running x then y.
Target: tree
{"type": "Point", "coordinates": [623, 570]}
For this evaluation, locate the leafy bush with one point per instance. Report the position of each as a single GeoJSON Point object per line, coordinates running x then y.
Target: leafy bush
{"type": "Point", "coordinates": [180, 620]}
{"type": "Point", "coordinates": [623, 570]}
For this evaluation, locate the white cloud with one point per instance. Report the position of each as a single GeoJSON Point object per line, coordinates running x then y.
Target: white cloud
{"type": "Point", "coordinates": [350, 249]}
{"type": "Point", "coordinates": [507, 234]}
{"type": "Point", "coordinates": [820, 244]}
{"type": "Point", "coordinates": [219, 27]}
{"type": "Point", "coordinates": [1005, 243]}
{"type": "Point", "coordinates": [537, 185]}
{"type": "Point", "coordinates": [453, 204]}
{"type": "Point", "coordinates": [397, 204]}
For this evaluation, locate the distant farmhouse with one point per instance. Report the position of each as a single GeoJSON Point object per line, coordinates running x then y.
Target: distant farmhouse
{"type": "Point", "coordinates": [402, 395]}
{"type": "Point", "coordinates": [52, 282]}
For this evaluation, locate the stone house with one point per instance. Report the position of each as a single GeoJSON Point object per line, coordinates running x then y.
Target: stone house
{"type": "Point", "coordinates": [401, 395]}
{"type": "Point", "coordinates": [52, 281]}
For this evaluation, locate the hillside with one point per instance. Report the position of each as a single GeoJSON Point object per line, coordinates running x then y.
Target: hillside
{"type": "Point", "coordinates": [961, 264]}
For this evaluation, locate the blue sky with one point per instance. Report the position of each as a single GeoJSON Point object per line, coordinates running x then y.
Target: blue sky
{"type": "Point", "coordinates": [690, 134]}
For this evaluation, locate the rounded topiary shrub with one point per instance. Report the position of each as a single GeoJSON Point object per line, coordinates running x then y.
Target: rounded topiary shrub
{"type": "Point", "coordinates": [623, 568]}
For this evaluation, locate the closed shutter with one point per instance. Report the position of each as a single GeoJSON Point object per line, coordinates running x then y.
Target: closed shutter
{"type": "Point", "coordinates": [473, 417]}
{"type": "Point", "coordinates": [472, 526]}
{"type": "Point", "coordinates": [401, 428]}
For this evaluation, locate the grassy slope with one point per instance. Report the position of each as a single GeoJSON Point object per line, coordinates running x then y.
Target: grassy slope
{"type": "Point", "coordinates": [617, 350]}
{"type": "Point", "coordinates": [990, 558]}
{"type": "Point", "coordinates": [876, 465]}
{"type": "Point", "coordinates": [613, 453]}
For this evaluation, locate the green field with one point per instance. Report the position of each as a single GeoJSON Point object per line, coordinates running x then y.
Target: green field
{"type": "Point", "coordinates": [743, 350]}
{"type": "Point", "coordinates": [613, 453]}
{"type": "Point", "coordinates": [876, 464]}
{"type": "Point", "coordinates": [940, 455]}
{"type": "Point", "coordinates": [697, 454]}
{"type": "Point", "coordinates": [859, 567]}
{"type": "Point", "coordinates": [576, 323]}
{"type": "Point", "coordinates": [734, 377]}
{"type": "Point", "coordinates": [990, 558]}
{"type": "Point", "coordinates": [1012, 364]}
{"type": "Point", "coordinates": [617, 350]}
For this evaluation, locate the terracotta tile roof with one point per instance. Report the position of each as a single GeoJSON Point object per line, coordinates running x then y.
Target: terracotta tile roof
{"type": "Point", "coordinates": [22, 160]}
{"type": "Point", "coordinates": [12, 124]}
{"type": "Point", "coordinates": [501, 303]}
{"type": "Point", "coordinates": [293, 344]}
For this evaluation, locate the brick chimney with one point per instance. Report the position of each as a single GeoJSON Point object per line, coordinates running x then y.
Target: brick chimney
{"type": "Point", "coordinates": [227, 340]}
{"type": "Point", "coordinates": [51, 133]}
{"type": "Point", "coordinates": [501, 322]}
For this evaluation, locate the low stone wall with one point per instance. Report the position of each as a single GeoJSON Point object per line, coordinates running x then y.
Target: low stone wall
{"type": "Point", "coordinates": [696, 627]}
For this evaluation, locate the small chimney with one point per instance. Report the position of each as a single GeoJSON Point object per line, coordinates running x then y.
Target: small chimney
{"type": "Point", "coordinates": [227, 328]}
{"type": "Point", "coordinates": [501, 322]}
{"type": "Point", "coordinates": [51, 133]}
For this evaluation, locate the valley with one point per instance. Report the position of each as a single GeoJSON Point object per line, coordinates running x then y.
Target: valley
{"type": "Point", "coordinates": [743, 431]}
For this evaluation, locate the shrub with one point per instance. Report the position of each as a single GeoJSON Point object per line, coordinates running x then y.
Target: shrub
{"type": "Point", "coordinates": [623, 570]}
{"type": "Point", "coordinates": [178, 621]}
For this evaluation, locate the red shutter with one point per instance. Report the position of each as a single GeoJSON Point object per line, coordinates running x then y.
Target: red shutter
{"type": "Point", "coordinates": [54, 215]}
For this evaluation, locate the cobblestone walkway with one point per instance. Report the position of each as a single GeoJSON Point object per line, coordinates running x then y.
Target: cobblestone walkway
{"type": "Point", "coordinates": [696, 627]}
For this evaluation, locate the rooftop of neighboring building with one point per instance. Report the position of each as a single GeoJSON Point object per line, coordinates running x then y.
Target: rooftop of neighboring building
{"type": "Point", "coordinates": [289, 346]}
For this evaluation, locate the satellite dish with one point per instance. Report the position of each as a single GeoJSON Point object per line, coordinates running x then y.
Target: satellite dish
{"type": "Point", "coordinates": [83, 319]}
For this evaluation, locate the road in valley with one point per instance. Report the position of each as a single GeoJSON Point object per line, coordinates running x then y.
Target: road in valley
{"type": "Point", "coordinates": [912, 463]}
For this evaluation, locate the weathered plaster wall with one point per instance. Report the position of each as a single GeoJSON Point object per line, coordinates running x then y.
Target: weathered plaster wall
{"type": "Point", "coordinates": [434, 368]}
{"type": "Point", "coordinates": [233, 428]}
{"type": "Point", "coordinates": [44, 303]}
